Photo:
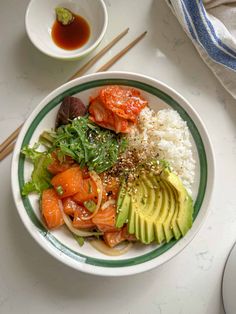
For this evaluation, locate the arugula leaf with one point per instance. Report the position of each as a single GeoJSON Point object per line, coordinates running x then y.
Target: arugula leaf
{"type": "Point", "coordinates": [40, 177]}
{"type": "Point", "coordinates": [79, 239]}
{"type": "Point", "coordinates": [89, 144]}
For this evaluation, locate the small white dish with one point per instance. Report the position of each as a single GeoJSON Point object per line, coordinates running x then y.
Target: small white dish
{"type": "Point", "coordinates": [229, 283]}
{"type": "Point", "coordinates": [40, 16]}
{"type": "Point", "coordinates": [59, 243]}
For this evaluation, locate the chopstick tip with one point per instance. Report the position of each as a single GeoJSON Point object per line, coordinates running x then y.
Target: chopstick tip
{"type": "Point", "coordinates": [142, 35]}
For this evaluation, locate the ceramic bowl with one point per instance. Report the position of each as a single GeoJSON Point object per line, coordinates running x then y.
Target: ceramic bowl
{"type": "Point", "coordinates": [59, 243]}
{"type": "Point", "coordinates": [40, 16]}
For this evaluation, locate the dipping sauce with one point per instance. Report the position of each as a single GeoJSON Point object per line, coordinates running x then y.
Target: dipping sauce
{"type": "Point", "coordinates": [73, 35]}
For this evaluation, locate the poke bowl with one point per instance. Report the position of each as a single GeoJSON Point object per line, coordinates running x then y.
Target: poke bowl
{"type": "Point", "coordinates": [170, 166]}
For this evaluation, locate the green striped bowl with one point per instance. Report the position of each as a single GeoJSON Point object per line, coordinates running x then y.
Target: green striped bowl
{"type": "Point", "coordinates": [60, 243]}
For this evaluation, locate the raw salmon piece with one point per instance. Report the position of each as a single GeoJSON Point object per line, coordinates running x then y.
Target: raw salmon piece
{"type": "Point", "coordinates": [85, 173]}
{"type": "Point", "coordinates": [112, 187]}
{"type": "Point", "coordinates": [88, 191]}
{"type": "Point", "coordinates": [69, 206]}
{"type": "Point", "coordinates": [68, 183]}
{"type": "Point", "coordinates": [113, 238]}
{"type": "Point", "coordinates": [78, 222]}
{"type": "Point", "coordinates": [56, 166]}
{"type": "Point", "coordinates": [51, 209]}
{"type": "Point", "coordinates": [127, 235]}
{"type": "Point", "coordinates": [105, 219]}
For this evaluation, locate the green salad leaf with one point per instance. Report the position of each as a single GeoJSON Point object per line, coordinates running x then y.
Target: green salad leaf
{"type": "Point", "coordinates": [79, 239]}
{"type": "Point", "coordinates": [40, 177]}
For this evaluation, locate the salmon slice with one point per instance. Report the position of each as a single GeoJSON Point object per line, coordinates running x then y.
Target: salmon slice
{"type": "Point", "coordinates": [51, 209]}
{"type": "Point", "coordinates": [85, 173]}
{"type": "Point", "coordinates": [127, 235]}
{"type": "Point", "coordinates": [105, 219]}
{"type": "Point", "coordinates": [69, 206]}
{"type": "Point", "coordinates": [88, 191]}
{"type": "Point", "coordinates": [68, 183]}
{"type": "Point", "coordinates": [56, 166]}
{"type": "Point", "coordinates": [112, 187]}
{"type": "Point", "coordinates": [114, 238]}
{"type": "Point", "coordinates": [78, 222]}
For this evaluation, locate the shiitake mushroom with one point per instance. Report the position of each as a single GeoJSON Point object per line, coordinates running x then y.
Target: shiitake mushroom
{"type": "Point", "coordinates": [71, 107]}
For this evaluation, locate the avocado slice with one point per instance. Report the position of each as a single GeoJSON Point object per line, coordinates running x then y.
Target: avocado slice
{"type": "Point", "coordinates": [169, 234]}
{"type": "Point", "coordinates": [142, 205]}
{"type": "Point", "coordinates": [149, 188]}
{"type": "Point", "coordinates": [142, 228]}
{"type": "Point", "coordinates": [154, 211]}
{"type": "Point", "coordinates": [131, 218]}
{"type": "Point", "coordinates": [158, 224]}
{"type": "Point", "coordinates": [123, 211]}
{"type": "Point", "coordinates": [174, 225]}
{"type": "Point", "coordinates": [144, 197]}
{"type": "Point", "coordinates": [153, 202]}
{"type": "Point", "coordinates": [135, 200]}
{"type": "Point", "coordinates": [146, 230]}
{"type": "Point", "coordinates": [184, 217]}
{"type": "Point", "coordinates": [121, 195]}
{"type": "Point", "coordinates": [149, 231]}
{"type": "Point", "coordinates": [140, 220]}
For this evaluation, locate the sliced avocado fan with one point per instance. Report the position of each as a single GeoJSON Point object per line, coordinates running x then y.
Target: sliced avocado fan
{"type": "Point", "coordinates": [157, 208]}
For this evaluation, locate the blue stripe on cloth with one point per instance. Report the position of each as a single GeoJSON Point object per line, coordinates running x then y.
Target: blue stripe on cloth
{"type": "Point", "coordinates": [219, 41]}
{"type": "Point", "coordinates": [188, 22]}
{"type": "Point", "coordinates": [204, 38]}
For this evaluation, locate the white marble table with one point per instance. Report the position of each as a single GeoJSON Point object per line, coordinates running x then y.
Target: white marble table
{"type": "Point", "coordinates": [31, 281]}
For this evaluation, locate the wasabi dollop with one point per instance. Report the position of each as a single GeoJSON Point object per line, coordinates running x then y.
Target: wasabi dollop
{"type": "Point", "coordinates": [64, 16]}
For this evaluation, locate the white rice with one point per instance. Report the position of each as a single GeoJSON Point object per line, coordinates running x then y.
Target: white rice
{"type": "Point", "coordinates": [164, 135]}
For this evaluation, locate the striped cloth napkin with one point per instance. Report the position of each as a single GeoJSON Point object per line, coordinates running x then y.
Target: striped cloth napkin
{"type": "Point", "coordinates": [211, 25]}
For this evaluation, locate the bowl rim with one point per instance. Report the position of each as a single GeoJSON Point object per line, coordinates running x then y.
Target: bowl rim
{"type": "Point", "coordinates": [174, 250]}
{"type": "Point", "coordinates": [73, 56]}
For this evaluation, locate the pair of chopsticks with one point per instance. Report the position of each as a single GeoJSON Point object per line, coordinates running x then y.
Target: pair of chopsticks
{"type": "Point", "coordinates": [8, 145]}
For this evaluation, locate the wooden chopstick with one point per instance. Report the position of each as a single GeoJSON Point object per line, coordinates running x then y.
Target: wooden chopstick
{"type": "Point", "coordinates": [101, 53]}
{"type": "Point", "coordinates": [8, 145]}
{"type": "Point", "coordinates": [113, 60]}
{"type": "Point", "coordinates": [7, 150]}
{"type": "Point", "coordinates": [11, 138]}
